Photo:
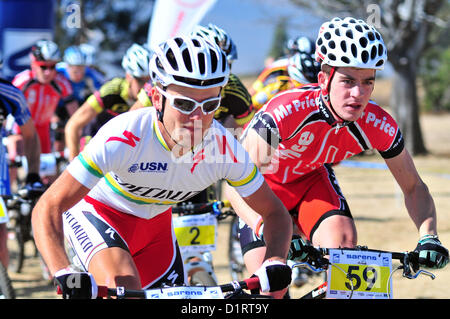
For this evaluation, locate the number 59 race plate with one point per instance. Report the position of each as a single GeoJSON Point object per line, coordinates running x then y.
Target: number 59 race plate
{"type": "Point", "coordinates": [366, 273]}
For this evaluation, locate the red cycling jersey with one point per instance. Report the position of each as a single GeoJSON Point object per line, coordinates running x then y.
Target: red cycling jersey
{"type": "Point", "coordinates": [42, 101]}
{"type": "Point", "coordinates": [307, 139]}
{"type": "Point", "coordinates": [306, 135]}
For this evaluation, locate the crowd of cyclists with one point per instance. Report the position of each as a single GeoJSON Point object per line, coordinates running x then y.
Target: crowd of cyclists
{"type": "Point", "coordinates": [304, 113]}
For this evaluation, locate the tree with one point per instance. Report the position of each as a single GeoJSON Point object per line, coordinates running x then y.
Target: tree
{"type": "Point", "coordinates": [117, 23]}
{"type": "Point", "coordinates": [279, 39]}
{"type": "Point", "coordinates": [405, 26]}
{"type": "Point", "coordinates": [435, 66]}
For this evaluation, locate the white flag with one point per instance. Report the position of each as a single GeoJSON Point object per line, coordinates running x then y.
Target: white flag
{"type": "Point", "coordinates": [175, 17]}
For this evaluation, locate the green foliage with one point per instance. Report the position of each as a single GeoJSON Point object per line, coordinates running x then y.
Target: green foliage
{"type": "Point", "coordinates": [435, 75]}
{"type": "Point", "coordinates": [279, 39]}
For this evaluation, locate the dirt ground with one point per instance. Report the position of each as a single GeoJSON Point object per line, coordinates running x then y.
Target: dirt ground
{"type": "Point", "coordinates": [377, 207]}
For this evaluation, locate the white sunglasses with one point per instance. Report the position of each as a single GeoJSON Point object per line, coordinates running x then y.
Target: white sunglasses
{"type": "Point", "coordinates": [187, 105]}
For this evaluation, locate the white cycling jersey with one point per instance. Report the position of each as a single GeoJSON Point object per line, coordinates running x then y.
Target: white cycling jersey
{"type": "Point", "coordinates": [129, 167]}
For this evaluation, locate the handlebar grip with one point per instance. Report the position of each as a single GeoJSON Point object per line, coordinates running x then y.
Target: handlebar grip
{"type": "Point", "coordinates": [252, 283]}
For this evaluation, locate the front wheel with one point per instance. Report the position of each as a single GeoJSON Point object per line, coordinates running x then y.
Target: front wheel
{"type": "Point", "coordinates": [6, 288]}
{"type": "Point", "coordinates": [202, 278]}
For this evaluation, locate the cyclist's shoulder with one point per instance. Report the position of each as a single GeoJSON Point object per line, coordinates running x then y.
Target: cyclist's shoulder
{"type": "Point", "coordinates": [22, 78]}
{"type": "Point", "coordinates": [114, 86]}
{"type": "Point", "coordinates": [12, 94]}
{"type": "Point", "coordinates": [5, 84]}
{"type": "Point", "coordinates": [135, 125]}
{"type": "Point", "coordinates": [94, 74]}
{"type": "Point", "coordinates": [294, 98]}
{"type": "Point", "coordinates": [376, 117]}
{"type": "Point", "coordinates": [235, 85]}
{"type": "Point", "coordinates": [275, 69]}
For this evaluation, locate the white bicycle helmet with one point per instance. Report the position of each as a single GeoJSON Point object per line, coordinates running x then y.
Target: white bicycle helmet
{"type": "Point", "coordinates": [89, 53]}
{"type": "Point", "coordinates": [303, 66]}
{"type": "Point", "coordinates": [136, 61]}
{"type": "Point", "coordinates": [350, 43]}
{"type": "Point", "coordinates": [46, 50]}
{"type": "Point", "coordinates": [220, 37]}
{"type": "Point", "coordinates": [189, 61]}
{"type": "Point", "coordinates": [74, 56]}
{"type": "Point", "coordinates": [300, 44]}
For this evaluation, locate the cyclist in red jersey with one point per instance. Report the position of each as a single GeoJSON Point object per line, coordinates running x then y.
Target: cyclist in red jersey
{"type": "Point", "coordinates": [43, 88]}
{"type": "Point", "coordinates": [297, 135]}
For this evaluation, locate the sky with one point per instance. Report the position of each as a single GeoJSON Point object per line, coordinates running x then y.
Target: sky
{"type": "Point", "coordinates": [251, 25]}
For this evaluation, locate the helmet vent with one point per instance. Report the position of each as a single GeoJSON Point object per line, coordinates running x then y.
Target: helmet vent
{"type": "Point", "coordinates": [187, 59]}
{"type": "Point", "coordinates": [201, 63]}
{"type": "Point", "coordinates": [171, 58]}
{"type": "Point", "coordinates": [213, 61]}
{"type": "Point", "coordinates": [179, 42]}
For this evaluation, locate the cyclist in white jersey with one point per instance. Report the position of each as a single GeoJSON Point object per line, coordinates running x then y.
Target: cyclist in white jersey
{"type": "Point", "coordinates": [113, 201]}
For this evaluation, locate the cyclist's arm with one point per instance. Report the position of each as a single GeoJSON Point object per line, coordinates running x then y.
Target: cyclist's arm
{"type": "Point", "coordinates": [75, 125]}
{"type": "Point", "coordinates": [276, 218]}
{"type": "Point", "coordinates": [32, 146]}
{"type": "Point", "coordinates": [64, 193]}
{"type": "Point", "coordinates": [418, 200]}
{"type": "Point", "coordinates": [72, 107]}
{"type": "Point", "coordinates": [264, 203]}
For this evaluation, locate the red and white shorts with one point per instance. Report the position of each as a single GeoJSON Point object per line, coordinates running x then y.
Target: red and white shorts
{"type": "Point", "coordinates": [91, 226]}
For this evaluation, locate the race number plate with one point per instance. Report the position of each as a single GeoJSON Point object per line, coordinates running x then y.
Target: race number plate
{"type": "Point", "coordinates": [367, 273]}
{"type": "Point", "coordinates": [196, 233]}
{"type": "Point", "coordinates": [3, 212]}
{"type": "Point", "coordinates": [183, 292]}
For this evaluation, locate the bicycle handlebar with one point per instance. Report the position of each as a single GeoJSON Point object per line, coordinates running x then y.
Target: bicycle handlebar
{"type": "Point", "coordinates": [317, 262]}
{"type": "Point", "coordinates": [214, 207]}
{"type": "Point", "coordinates": [121, 292]}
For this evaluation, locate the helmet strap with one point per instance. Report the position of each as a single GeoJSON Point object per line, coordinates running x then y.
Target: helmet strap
{"type": "Point", "coordinates": [326, 93]}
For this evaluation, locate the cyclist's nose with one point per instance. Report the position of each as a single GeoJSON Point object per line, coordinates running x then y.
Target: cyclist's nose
{"type": "Point", "coordinates": [197, 113]}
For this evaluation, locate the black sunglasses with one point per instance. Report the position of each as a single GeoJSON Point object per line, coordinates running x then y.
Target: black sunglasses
{"type": "Point", "coordinates": [48, 67]}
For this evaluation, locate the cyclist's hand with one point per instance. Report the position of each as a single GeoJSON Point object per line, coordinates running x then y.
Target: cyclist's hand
{"type": "Point", "coordinates": [297, 251]}
{"type": "Point", "coordinates": [76, 285]}
{"type": "Point", "coordinates": [273, 275]}
{"type": "Point", "coordinates": [432, 253]}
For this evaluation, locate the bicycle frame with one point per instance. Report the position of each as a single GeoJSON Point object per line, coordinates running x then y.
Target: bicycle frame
{"type": "Point", "coordinates": [196, 261]}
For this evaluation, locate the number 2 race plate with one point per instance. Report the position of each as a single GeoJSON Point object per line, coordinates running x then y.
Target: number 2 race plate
{"type": "Point", "coordinates": [196, 233]}
{"type": "Point", "coordinates": [359, 275]}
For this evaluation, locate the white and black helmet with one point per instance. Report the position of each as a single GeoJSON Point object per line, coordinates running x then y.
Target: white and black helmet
{"type": "Point", "coordinates": [136, 61]}
{"type": "Point", "coordinates": [46, 50]}
{"type": "Point", "coordinates": [218, 35]}
{"type": "Point", "coordinates": [190, 61]}
{"type": "Point", "coordinates": [350, 42]}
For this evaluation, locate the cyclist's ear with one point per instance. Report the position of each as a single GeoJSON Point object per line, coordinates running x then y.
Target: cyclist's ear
{"type": "Point", "coordinates": [156, 98]}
